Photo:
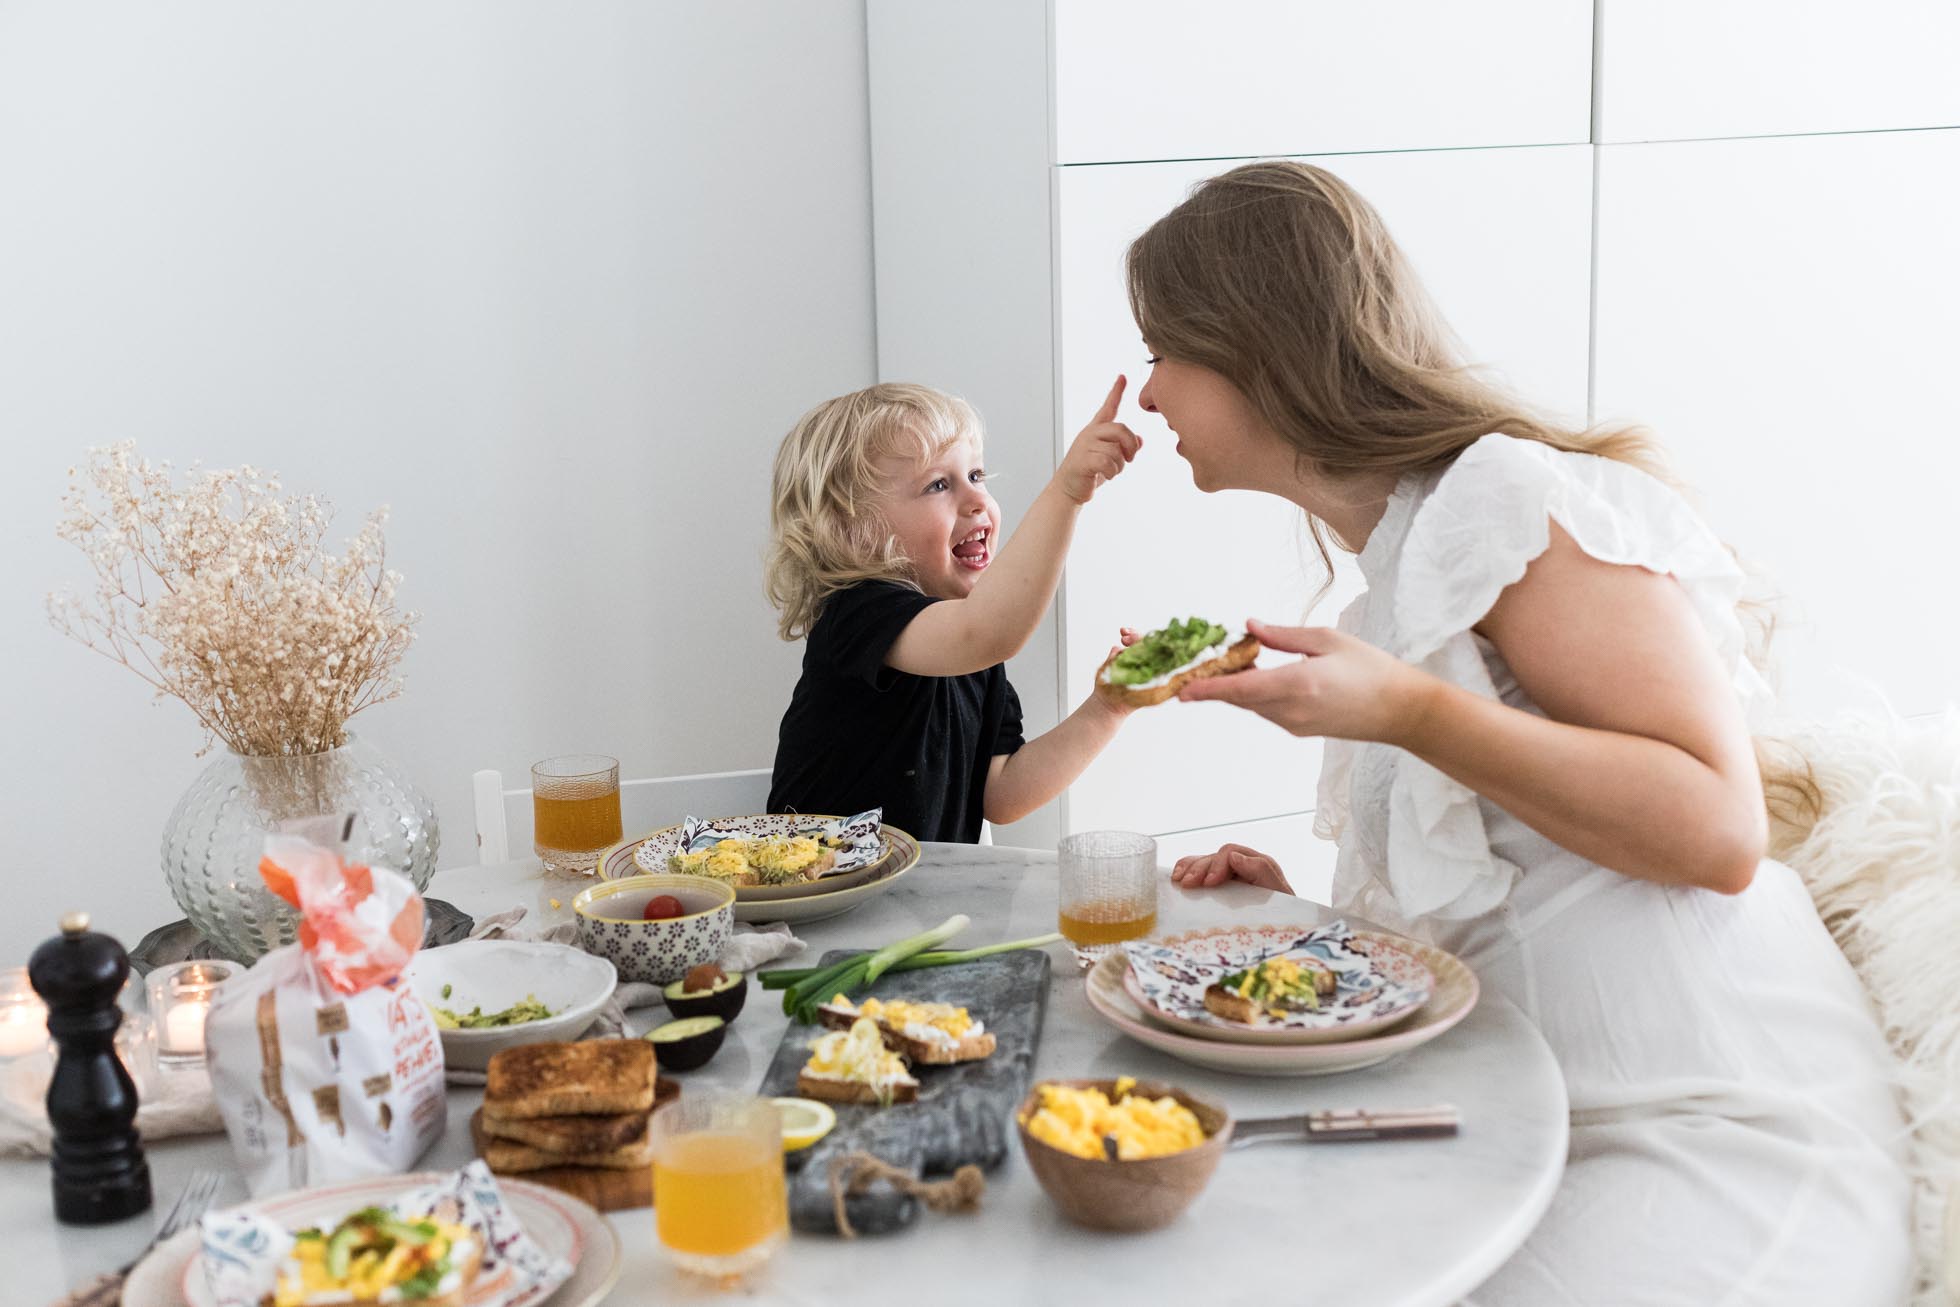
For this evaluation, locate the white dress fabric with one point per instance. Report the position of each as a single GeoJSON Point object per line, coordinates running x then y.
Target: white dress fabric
{"type": "Point", "coordinates": [1736, 1137]}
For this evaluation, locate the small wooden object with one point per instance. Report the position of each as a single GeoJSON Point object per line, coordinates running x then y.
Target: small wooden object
{"type": "Point", "coordinates": [100, 1174]}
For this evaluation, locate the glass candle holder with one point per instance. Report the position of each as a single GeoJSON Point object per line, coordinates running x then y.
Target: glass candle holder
{"type": "Point", "coordinates": [574, 811]}
{"type": "Point", "coordinates": [181, 994]}
{"type": "Point", "coordinates": [23, 1018]}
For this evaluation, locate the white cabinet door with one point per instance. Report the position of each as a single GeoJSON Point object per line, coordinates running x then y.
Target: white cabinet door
{"type": "Point", "coordinates": [1501, 237]}
{"type": "Point", "coordinates": [1785, 314]}
{"type": "Point", "coordinates": [1169, 79]}
{"type": "Point", "coordinates": [1675, 69]}
{"type": "Point", "coordinates": [1307, 861]}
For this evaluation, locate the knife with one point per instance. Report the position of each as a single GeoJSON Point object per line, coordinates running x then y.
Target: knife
{"type": "Point", "coordinates": [1344, 1126]}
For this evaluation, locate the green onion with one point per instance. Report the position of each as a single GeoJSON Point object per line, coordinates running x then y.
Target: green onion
{"type": "Point", "coordinates": [882, 960]}
{"type": "Point", "coordinates": [807, 988]}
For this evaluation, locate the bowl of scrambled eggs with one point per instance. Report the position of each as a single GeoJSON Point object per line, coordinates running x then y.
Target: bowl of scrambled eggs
{"type": "Point", "coordinates": [1119, 1154]}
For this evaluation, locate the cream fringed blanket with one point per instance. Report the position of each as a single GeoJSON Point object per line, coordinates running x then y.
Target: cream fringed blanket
{"type": "Point", "coordinates": [1883, 866]}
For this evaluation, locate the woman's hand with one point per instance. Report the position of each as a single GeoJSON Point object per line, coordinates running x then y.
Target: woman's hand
{"type": "Point", "coordinates": [1342, 687]}
{"type": "Point", "coordinates": [1231, 862]}
{"type": "Point", "coordinates": [1101, 451]}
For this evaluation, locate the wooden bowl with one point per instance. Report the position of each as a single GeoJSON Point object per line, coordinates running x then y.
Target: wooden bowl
{"type": "Point", "coordinates": [1143, 1194]}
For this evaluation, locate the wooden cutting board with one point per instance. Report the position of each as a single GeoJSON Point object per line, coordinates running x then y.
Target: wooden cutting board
{"type": "Point", "coordinates": [604, 1188]}
{"type": "Point", "coordinates": [962, 1113]}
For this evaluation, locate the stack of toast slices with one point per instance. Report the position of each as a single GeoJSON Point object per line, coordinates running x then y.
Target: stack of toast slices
{"type": "Point", "coordinates": [575, 1116]}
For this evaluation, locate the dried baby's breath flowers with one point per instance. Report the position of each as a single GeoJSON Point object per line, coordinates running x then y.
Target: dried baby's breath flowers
{"type": "Point", "coordinates": [223, 594]}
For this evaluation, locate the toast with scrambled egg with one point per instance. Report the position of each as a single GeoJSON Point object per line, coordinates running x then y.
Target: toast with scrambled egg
{"type": "Point", "coordinates": [1277, 985]}
{"type": "Point", "coordinates": [854, 1066]}
{"type": "Point", "coordinates": [375, 1257]}
{"type": "Point", "coordinates": [1163, 662]}
{"type": "Point", "coordinates": [927, 1034]}
{"type": "Point", "coordinates": [765, 860]}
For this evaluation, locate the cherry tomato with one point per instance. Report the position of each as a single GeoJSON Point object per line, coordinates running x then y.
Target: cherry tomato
{"type": "Point", "coordinates": [662, 906]}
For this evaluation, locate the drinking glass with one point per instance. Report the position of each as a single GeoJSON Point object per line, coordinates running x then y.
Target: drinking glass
{"type": "Point", "coordinates": [574, 811]}
{"type": "Point", "coordinates": [1108, 890]}
{"type": "Point", "coordinates": [720, 1204]}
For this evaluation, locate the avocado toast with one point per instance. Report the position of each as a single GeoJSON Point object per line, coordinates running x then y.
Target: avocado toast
{"type": "Point", "coordinates": [1163, 662]}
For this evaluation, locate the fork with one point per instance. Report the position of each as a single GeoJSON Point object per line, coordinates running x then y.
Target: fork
{"type": "Point", "coordinates": [200, 1187]}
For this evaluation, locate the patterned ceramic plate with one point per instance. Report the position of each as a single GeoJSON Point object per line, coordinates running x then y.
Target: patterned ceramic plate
{"type": "Point", "coordinates": [172, 1274]}
{"type": "Point", "coordinates": [1454, 995]}
{"type": "Point", "coordinates": [820, 899]}
{"type": "Point", "coordinates": [871, 848]}
{"type": "Point", "coordinates": [1378, 981]}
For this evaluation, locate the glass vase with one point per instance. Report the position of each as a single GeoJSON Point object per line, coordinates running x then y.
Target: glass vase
{"type": "Point", "coordinates": [216, 835]}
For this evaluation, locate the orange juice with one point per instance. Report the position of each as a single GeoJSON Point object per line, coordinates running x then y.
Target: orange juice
{"type": "Point", "coordinates": [577, 825]}
{"type": "Point", "coordinates": [717, 1193]}
{"type": "Point", "coordinates": [1106, 921]}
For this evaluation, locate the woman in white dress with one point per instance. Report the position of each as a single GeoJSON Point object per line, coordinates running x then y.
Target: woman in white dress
{"type": "Point", "coordinates": [1538, 756]}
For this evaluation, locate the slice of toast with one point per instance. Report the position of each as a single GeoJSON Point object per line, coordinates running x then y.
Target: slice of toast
{"type": "Point", "coordinates": [920, 1052]}
{"type": "Point", "coordinates": [1234, 657]}
{"type": "Point", "coordinates": [1223, 1002]}
{"type": "Point", "coordinates": [572, 1134]}
{"type": "Point", "coordinates": [506, 1156]}
{"type": "Point", "coordinates": [594, 1077]}
{"type": "Point", "coordinates": [835, 1089]}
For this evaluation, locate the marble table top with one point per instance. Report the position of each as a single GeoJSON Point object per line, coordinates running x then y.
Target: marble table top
{"type": "Point", "coordinates": [1411, 1222]}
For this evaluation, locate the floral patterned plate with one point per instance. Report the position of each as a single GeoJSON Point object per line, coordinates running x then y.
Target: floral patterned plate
{"type": "Point", "coordinates": [171, 1275]}
{"type": "Point", "coordinates": [869, 847]}
{"type": "Point", "coordinates": [1379, 982]}
{"type": "Point", "coordinates": [828, 897]}
{"type": "Point", "coordinates": [1454, 996]}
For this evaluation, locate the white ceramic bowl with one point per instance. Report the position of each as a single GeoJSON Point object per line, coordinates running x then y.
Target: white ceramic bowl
{"type": "Point", "coordinates": [493, 974]}
{"type": "Point", "coordinates": [656, 952]}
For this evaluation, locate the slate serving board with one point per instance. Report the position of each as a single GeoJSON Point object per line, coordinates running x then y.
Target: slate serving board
{"type": "Point", "coordinates": [963, 1111]}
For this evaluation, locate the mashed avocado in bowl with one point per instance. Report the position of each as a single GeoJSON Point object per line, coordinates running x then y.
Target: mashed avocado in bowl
{"type": "Point", "coordinates": [1164, 651]}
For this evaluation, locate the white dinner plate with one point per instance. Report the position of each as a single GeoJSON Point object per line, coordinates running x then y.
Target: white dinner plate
{"type": "Point", "coordinates": [172, 1276]}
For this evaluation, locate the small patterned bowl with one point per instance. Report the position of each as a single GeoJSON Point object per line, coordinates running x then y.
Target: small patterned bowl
{"type": "Point", "coordinates": [1144, 1193]}
{"type": "Point", "coordinates": [655, 952]}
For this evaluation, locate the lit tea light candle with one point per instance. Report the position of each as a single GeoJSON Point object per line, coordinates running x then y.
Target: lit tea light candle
{"type": "Point", "coordinates": [180, 1002]}
{"type": "Point", "coordinates": [23, 1016]}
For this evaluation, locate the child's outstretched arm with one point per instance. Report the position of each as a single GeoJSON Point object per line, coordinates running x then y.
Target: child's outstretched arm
{"type": "Point", "coordinates": [989, 626]}
{"type": "Point", "coordinates": [1020, 782]}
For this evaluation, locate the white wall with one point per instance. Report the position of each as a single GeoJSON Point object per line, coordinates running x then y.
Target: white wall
{"type": "Point", "coordinates": [549, 280]}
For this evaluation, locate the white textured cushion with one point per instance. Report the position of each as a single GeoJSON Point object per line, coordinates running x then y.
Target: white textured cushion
{"type": "Point", "coordinates": [1883, 866]}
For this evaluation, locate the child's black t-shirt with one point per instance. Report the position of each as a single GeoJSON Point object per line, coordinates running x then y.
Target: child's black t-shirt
{"type": "Point", "coordinates": [859, 734]}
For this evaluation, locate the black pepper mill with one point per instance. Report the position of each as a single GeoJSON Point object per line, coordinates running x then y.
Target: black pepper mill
{"type": "Point", "coordinates": [99, 1171]}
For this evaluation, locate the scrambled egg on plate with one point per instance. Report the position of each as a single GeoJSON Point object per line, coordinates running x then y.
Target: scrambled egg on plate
{"type": "Point", "coordinates": [1077, 1121]}
{"type": "Point", "coordinates": [769, 860]}
{"type": "Point", "coordinates": [901, 1015]}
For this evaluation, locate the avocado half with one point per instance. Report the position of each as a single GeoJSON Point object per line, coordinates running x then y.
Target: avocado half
{"type": "Point", "coordinates": [724, 999]}
{"type": "Point", "coordinates": [688, 1043]}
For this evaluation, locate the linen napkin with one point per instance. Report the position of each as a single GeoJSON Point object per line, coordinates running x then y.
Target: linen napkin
{"type": "Point", "coordinates": [746, 949]}
{"type": "Point", "coordinates": [177, 1101]}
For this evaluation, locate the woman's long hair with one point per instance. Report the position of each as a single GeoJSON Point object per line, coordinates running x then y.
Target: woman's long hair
{"type": "Point", "coordinates": [1279, 277]}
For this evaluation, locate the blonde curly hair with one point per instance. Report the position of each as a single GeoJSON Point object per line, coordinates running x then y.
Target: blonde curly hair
{"type": "Point", "coordinates": [826, 531]}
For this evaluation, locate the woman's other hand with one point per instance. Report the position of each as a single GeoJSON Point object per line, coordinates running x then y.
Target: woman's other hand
{"type": "Point", "coordinates": [1231, 862]}
{"type": "Point", "coordinates": [1341, 686]}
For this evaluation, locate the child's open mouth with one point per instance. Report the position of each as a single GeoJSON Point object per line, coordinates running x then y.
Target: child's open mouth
{"type": "Point", "coordinates": [972, 552]}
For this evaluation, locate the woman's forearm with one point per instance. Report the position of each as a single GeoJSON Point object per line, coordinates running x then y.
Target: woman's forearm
{"type": "Point", "coordinates": [1639, 806]}
{"type": "Point", "coordinates": [1044, 766]}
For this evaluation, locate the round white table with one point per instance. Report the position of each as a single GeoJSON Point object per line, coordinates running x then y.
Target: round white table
{"type": "Point", "coordinates": [1407, 1222]}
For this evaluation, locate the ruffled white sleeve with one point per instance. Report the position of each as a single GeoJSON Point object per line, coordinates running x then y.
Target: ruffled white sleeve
{"type": "Point", "coordinates": [1487, 518]}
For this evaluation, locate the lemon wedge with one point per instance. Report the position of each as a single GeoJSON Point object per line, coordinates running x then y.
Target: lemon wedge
{"type": "Point", "coordinates": [804, 1121]}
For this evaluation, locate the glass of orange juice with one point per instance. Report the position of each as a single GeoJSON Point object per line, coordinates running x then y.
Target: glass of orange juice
{"type": "Point", "coordinates": [1108, 890]}
{"type": "Point", "coordinates": [720, 1205]}
{"type": "Point", "coordinates": [574, 811]}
